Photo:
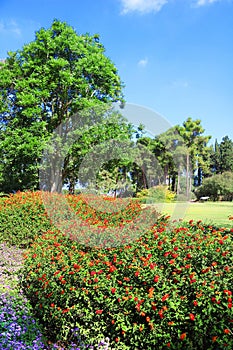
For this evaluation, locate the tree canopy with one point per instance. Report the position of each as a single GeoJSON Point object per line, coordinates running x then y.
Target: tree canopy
{"type": "Point", "coordinates": [55, 76]}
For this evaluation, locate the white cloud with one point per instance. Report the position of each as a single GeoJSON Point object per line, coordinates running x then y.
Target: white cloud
{"type": "Point", "coordinates": [205, 2]}
{"type": "Point", "coordinates": [9, 27]}
{"type": "Point", "coordinates": [142, 6]}
{"type": "Point", "coordinates": [143, 62]}
{"type": "Point", "coordinates": [180, 84]}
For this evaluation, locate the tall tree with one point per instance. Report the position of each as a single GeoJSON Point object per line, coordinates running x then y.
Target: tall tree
{"type": "Point", "coordinates": [50, 79]}
{"type": "Point", "coordinates": [198, 153]}
{"type": "Point", "coordinates": [226, 154]}
{"type": "Point", "coordinates": [215, 158]}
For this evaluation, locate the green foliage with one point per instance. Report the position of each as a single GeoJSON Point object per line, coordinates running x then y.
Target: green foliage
{"type": "Point", "coordinates": [22, 218]}
{"type": "Point", "coordinates": [170, 288]}
{"type": "Point", "coordinates": [221, 156]}
{"type": "Point", "coordinates": [58, 75]}
{"type": "Point", "coordinates": [217, 187]}
{"type": "Point", "coordinates": [226, 154]}
{"type": "Point", "coordinates": [156, 194]}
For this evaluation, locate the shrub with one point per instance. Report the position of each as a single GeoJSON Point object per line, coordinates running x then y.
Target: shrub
{"type": "Point", "coordinates": [22, 217]}
{"type": "Point", "coordinates": [171, 288]}
{"type": "Point", "coordinates": [217, 187]}
{"type": "Point", "coordinates": [156, 194]}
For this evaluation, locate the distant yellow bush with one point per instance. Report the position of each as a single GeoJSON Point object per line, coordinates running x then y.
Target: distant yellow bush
{"type": "Point", "coordinates": [159, 193]}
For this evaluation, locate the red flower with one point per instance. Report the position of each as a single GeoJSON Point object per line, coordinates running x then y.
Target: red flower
{"type": "Point", "coordinates": [192, 317]}
{"type": "Point", "coordinates": [195, 303]}
{"type": "Point", "coordinates": [165, 297]}
{"type": "Point", "coordinates": [34, 256]}
{"type": "Point", "coordinates": [227, 331]}
{"type": "Point", "coordinates": [160, 314]}
{"type": "Point", "coordinates": [229, 305]}
{"type": "Point", "coordinates": [65, 310]}
{"type": "Point", "coordinates": [99, 312]}
{"type": "Point", "coordinates": [183, 336]}
{"type": "Point", "coordinates": [113, 290]}
{"type": "Point", "coordinates": [112, 268]}
{"type": "Point", "coordinates": [126, 279]}
{"type": "Point", "coordinates": [228, 292]}
{"type": "Point", "coordinates": [156, 278]}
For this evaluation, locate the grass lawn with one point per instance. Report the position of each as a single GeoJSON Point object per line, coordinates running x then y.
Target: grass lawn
{"type": "Point", "coordinates": [214, 213]}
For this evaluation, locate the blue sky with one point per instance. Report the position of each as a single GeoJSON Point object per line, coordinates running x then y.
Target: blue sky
{"type": "Point", "coordinates": [174, 56]}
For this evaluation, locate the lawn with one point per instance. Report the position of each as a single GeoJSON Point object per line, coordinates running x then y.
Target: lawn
{"type": "Point", "coordinates": [214, 213]}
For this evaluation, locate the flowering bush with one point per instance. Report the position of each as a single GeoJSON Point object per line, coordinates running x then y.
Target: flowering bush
{"type": "Point", "coordinates": [22, 217]}
{"type": "Point", "coordinates": [170, 288]}
{"type": "Point", "coordinates": [25, 215]}
{"type": "Point", "coordinates": [155, 194]}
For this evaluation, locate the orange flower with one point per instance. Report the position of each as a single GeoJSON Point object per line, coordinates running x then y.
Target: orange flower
{"type": "Point", "coordinates": [99, 312]}
{"type": "Point", "coordinates": [214, 339]}
{"type": "Point", "coordinates": [192, 317]}
{"type": "Point", "coordinates": [65, 310]}
{"type": "Point", "coordinates": [165, 297]}
{"type": "Point", "coordinates": [183, 336]}
{"type": "Point", "coordinates": [227, 331]}
{"type": "Point", "coordinates": [156, 278]}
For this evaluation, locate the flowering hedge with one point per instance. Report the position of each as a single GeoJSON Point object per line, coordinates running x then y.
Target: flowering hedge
{"type": "Point", "coordinates": [25, 215]}
{"type": "Point", "coordinates": [22, 216]}
{"type": "Point", "coordinates": [170, 288]}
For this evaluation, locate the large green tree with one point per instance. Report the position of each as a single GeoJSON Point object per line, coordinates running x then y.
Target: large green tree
{"type": "Point", "coordinates": [59, 74]}
{"type": "Point", "coordinates": [222, 156]}
{"type": "Point", "coordinates": [226, 154]}
{"type": "Point", "coordinates": [197, 151]}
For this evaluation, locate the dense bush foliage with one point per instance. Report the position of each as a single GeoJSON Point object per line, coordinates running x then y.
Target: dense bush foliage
{"type": "Point", "coordinates": [156, 194]}
{"type": "Point", "coordinates": [23, 215]}
{"type": "Point", "coordinates": [217, 187]}
{"type": "Point", "coordinates": [168, 287]}
{"type": "Point", "coordinates": [172, 288]}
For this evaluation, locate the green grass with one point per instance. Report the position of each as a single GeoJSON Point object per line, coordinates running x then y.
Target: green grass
{"type": "Point", "coordinates": [214, 213]}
